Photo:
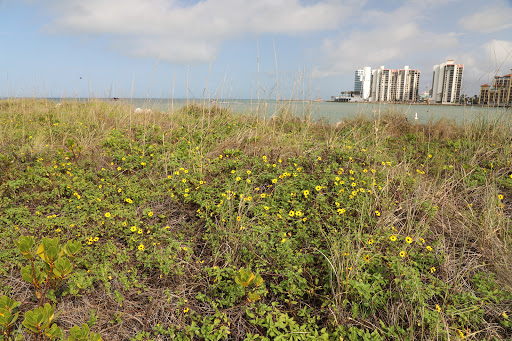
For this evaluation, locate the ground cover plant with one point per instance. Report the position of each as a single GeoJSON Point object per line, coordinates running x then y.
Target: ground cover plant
{"type": "Point", "coordinates": [206, 224]}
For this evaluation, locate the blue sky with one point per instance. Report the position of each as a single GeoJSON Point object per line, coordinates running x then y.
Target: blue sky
{"type": "Point", "coordinates": [211, 48]}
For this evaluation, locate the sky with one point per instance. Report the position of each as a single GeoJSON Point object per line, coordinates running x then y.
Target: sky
{"type": "Point", "coordinates": [267, 49]}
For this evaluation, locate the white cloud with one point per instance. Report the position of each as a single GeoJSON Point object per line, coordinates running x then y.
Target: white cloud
{"type": "Point", "coordinates": [181, 33]}
{"type": "Point", "coordinates": [494, 58]}
{"type": "Point", "coordinates": [492, 18]}
{"type": "Point", "coordinates": [380, 45]}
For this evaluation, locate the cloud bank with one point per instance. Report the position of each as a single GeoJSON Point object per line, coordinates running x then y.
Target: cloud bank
{"type": "Point", "coordinates": [188, 31]}
{"type": "Point", "coordinates": [492, 18]}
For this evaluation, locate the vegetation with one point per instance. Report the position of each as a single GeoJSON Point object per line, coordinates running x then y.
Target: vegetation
{"type": "Point", "coordinates": [203, 224]}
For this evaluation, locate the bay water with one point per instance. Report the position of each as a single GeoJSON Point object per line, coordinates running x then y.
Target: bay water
{"type": "Point", "coordinates": [333, 111]}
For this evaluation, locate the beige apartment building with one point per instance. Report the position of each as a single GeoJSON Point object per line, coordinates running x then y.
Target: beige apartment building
{"type": "Point", "coordinates": [499, 94]}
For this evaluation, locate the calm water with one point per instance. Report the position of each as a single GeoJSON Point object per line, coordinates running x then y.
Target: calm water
{"type": "Point", "coordinates": [333, 112]}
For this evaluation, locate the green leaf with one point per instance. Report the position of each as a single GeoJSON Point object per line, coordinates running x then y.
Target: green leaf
{"type": "Point", "coordinates": [244, 278]}
{"type": "Point", "coordinates": [62, 268]}
{"type": "Point", "coordinates": [258, 281]}
{"type": "Point", "coordinates": [25, 245]}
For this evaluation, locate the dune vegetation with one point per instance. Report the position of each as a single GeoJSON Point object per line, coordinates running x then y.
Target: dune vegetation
{"type": "Point", "coordinates": [202, 224]}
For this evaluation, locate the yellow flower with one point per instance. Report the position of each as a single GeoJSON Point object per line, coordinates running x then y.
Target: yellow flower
{"type": "Point", "coordinates": [274, 181]}
{"type": "Point", "coordinates": [298, 214]}
{"type": "Point", "coordinates": [139, 231]}
{"type": "Point", "coordinates": [263, 195]}
{"type": "Point", "coordinates": [128, 200]}
{"type": "Point", "coordinates": [306, 193]}
{"type": "Point", "coordinates": [408, 240]}
{"type": "Point", "coordinates": [249, 172]}
{"type": "Point", "coordinates": [370, 241]}
{"type": "Point", "coordinates": [432, 269]}
{"type": "Point", "coordinates": [318, 188]}
{"type": "Point", "coordinates": [438, 308]}
{"type": "Point", "coordinates": [500, 197]}
{"type": "Point", "coordinates": [185, 310]}
{"type": "Point", "coordinates": [107, 215]}
{"type": "Point", "coordinates": [150, 213]}
{"type": "Point", "coordinates": [142, 163]}
{"type": "Point", "coordinates": [377, 213]}
{"type": "Point", "coordinates": [238, 218]}
{"type": "Point", "coordinates": [367, 258]}
{"type": "Point", "coordinates": [429, 248]}
{"type": "Point", "coordinates": [266, 208]}
{"type": "Point", "coordinates": [141, 247]}
{"type": "Point", "coordinates": [133, 228]}
{"type": "Point", "coordinates": [392, 238]}
{"type": "Point", "coordinates": [291, 213]}
{"type": "Point", "coordinates": [402, 254]}
{"type": "Point", "coordinates": [283, 240]}
{"type": "Point", "coordinates": [319, 158]}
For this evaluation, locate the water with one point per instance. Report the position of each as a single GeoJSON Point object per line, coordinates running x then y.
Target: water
{"type": "Point", "coordinates": [333, 111]}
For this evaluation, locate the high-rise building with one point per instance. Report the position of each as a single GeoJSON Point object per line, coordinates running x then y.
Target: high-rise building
{"type": "Point", "coordinates": [358, 82]}
{"type": "Point", "coordinates": [500, 94]}
{"type": "Point", "coordinates": [394, 85]}
{"type": "Point", "coordinates": [447, 82]}
{"type": "Point", "coordinates": [362, 82]}
{"type": "Point", "coordinates": [407, 85]}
